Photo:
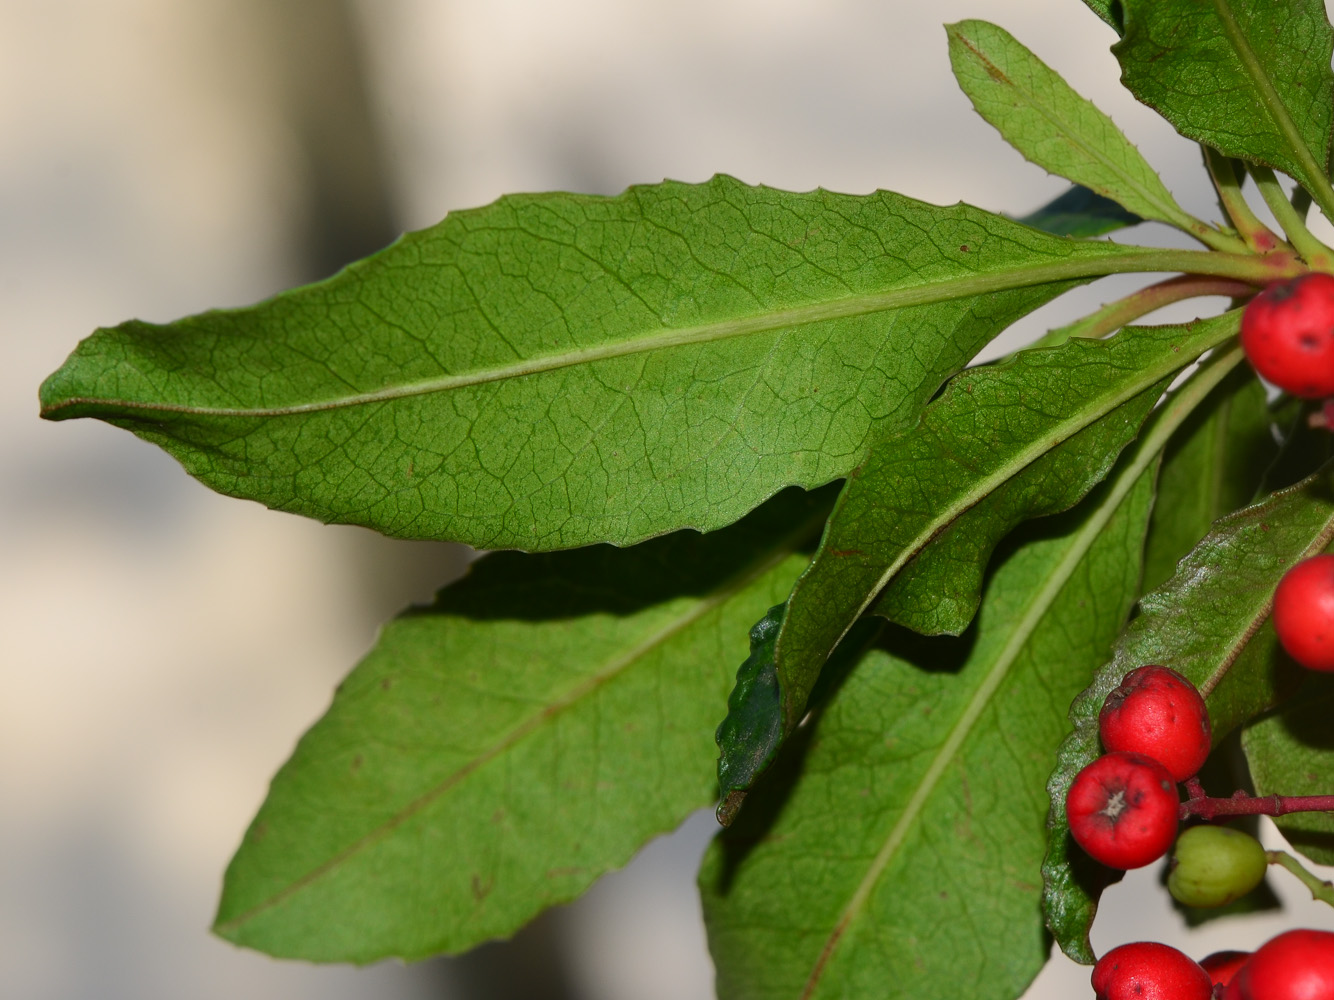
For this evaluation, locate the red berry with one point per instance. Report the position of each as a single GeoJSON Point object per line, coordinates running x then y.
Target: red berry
{"type": "Point", "coordinates": [1287, 332]}
{"type": "Point", "coordinates": [1157, 712]}
{"type": "Point", "coordinates": [1297, 965]}
{"type": "Point", "coordinates": [1122, 809]}
{"type": "Point", "coordinates": [1304, 612]}
{"type": "Point", "coordinates": [1147, 970]}
{"type": "Point", "coordinates": [1223, 965]}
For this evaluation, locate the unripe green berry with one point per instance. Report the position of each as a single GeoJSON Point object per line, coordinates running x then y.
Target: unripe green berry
{"type": "Point", "coordinates": [1213, 865]}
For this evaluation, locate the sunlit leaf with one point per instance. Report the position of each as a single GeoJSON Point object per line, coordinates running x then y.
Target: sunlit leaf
{"type": "Point", "coordinates": [498, 751]}
{"type": "Point", "coordinates": [554, 370]}
{"type": "Point", "coordinates": [1039, 114]}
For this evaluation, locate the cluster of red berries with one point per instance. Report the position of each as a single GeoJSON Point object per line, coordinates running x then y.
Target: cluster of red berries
{"type": "Point", "coordinates": [1295, 965]}
{"type": "Point", "coordinates": [1122, 808]}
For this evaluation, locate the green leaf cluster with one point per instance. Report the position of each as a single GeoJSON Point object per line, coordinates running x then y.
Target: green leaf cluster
{"type": "Point", "coordinates": [721, 424]}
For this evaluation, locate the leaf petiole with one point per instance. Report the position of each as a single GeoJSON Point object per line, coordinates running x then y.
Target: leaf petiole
{"type": "Point", "coordinates": [1223, 172]}
{"type": "Point", "coordinates": [1320, 889]}
{"type": "Point", "coordinates": [1312, 250]}
{"type": "Point", "coordinates": [1114, 315]}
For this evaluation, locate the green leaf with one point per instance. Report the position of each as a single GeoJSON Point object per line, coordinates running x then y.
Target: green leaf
{"type": "Point", "coordinates": [498, 751]}
{"type": "Point", "coordinates": [1212, 467]}
{"type": "Point", "coordinates": [1291, 752]}
{"type": "Point", "coordinates": [1110, 11]}
{"type": "Point", "coordinates": [554, 370]}
{"type": "Point", "coordinates": [1040, 115]}
{"type": "Point", "coordinates": [1081, 213]}
{"type": "Point", "coordinates": [896, 852]}
{"type": "Point", "coordinates": [1249, 77]}
{"type": "Point", "coordinates": [1209, 622]}
{"type": "Point", "coordinates": [1003, 443]}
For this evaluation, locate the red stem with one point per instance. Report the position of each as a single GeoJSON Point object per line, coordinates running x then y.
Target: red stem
{"type": "Point", "coordinates": [1241, 804]}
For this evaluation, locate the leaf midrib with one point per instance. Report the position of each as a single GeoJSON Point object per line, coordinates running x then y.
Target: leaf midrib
{"type": "Point", "coordinates": [1151, 445]}
{"type": "Point", "coordinates": [1242, 638]}
{"type": "Point", "coordinates": [1128, 259]}
{"type": "Point", "coordinates": [1168, 211]}
{"type": "Point", "coordinates": [1035, 450]}
{"type": "Point", "coordinates": [781, 549]}
{"type": "Point", "coordinates": [1278, 111]}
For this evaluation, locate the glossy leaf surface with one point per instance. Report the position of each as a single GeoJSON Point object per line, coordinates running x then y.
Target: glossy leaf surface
{"type": "Point", "coordinates": [497, 752]}
{"type": "Point", "coordinates": [1040, 115]}
{"type": "Point", "coordinates": [554, 370]}
{"type": "Point", "coordinates": [1210, 622]}
{"type": "Point", "coordinates": [895, 851]}
{"type": "Point", "coordinates": [1249, 77]}
{"type": "Point", "coordinates": [1080, 213]}
{"type": "Point", "coordinates": [1003, 443]}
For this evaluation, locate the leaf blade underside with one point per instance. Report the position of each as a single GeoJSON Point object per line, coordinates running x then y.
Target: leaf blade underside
{"type": "Point", "coordinates": [555, 370]}
{"type": "Point", "coordinates": [497, 752]}
{"type": "Point", "coordinates": [1042, 117]}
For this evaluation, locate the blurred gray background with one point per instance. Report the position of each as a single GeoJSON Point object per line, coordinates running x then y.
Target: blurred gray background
{"type": "Point", "coordinates": [161, 647]}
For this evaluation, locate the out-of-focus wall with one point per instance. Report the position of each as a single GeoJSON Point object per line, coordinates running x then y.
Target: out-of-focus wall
{"type": "Point", "coordinates": [161, 647]}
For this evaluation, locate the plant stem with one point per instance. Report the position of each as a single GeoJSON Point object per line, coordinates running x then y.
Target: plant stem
{"type": "Point", "coordinates": [1213, 238]}
{"type": "Point", "coordinates": [1241, 804]}
{"type": "Point", "coordinates": [1115, 315]}
{"type": "Point", "coordinates": [1223, 170]}
{"type": "Point", "coordinates": [1320, 889]}
{"type": "Point", "coordinates": [1312, 250]}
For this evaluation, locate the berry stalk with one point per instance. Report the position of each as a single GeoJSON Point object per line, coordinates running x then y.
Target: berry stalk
{"type": "Point", "coordinates": [1114, 315]}
{"type": "Point", "coordinates": [1241, 804]}
{"type": "Point", "coordinates": [1320, 889]}
{"type": "Point", "coordinates": [1312, 250]}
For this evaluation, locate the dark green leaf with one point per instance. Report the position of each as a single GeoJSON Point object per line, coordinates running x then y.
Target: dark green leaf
{"type": "Point", "coordinates": [1039, 114]}
{"type": "Point", "coordinates": [1249, 77]}
{"type": "Point", "coordinates": [751, 733]}
{"type": "Point", "coordinates": [1110, 11]}
{"type": "Point", "coordinates": [1080, 212]}
{"type": "Point", "coordinates": [1303, 449]}
{"type": "Point", "coordinates": [896, 852]}
{"type": "Point", "coordinates": [1212, 467]}
{"type": "Point", "coordinates": [497, 752]}
{"type": "Point", "coordinates": [1210, 622]}
{"type": "Point", "coordinates": [1003, 443]}
{"type": "Point", "coordinates": [554, 370]}
{"type": "Point", "coordinates": [1292, 753]}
